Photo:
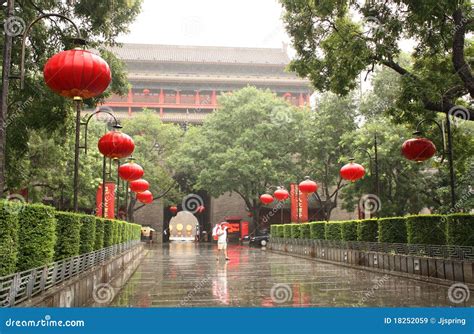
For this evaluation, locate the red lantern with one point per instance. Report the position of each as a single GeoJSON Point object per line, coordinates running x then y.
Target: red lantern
{"type": "Point", "coordinates": [139, 185]}
{"type": "Point", "coordinates": [146, 91]}
{"type": "Point", "coordinates": [201, 209]}
{"type": "Point", "coordinates": [307, 186]}
{"type": "Point", "coordinates": [116, 145]}
{"type": "Point", "coordinates": [173, 209]}
{"type": "Point", "coordinates": [130, 171]}
{"type": "Point", "coordinates": [249, 214]}
{"type": "Point", "coordinates": [352, 171]}
{"type": "Point", "coordinates": [266, 198]}
{"type": "Point", "coordinates": [145, 197]}
{"type": "Point", "coordinates": [281, 194]}
{"type": "Point", "coordinates": [77, 72]}
{"type": "Point", "coordinates": [418, 149]}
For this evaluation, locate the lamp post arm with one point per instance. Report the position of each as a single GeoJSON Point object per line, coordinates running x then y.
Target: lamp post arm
{"type": "Point", "coordinates": [78, 39]}
{"type": "Point", "coordinates": [86, 124]}
{"type": "Point", "coordinates": [441, 131]}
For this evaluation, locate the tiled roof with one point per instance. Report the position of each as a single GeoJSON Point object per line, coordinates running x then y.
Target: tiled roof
{"type": "Point", "coordinates": [201, 54]}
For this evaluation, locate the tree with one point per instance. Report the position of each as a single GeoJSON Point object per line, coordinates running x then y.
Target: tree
{"type": "Point", "coordinates": [36, 107]}
{"type": "Point", "coordinates": [250, 143]}
{"type": "Point", "coordinates": [323, 149]}
{"type": "Point", "coordinates": [154, 144]}
{"type": "Point", "coordinates": [333, 48]}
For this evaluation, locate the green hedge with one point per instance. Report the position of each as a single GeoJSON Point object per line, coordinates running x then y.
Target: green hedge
{"type": "Point", "coordinates": [333, 231]}
{"type": "Point", "coordinates": [426, 229]}
{"type": "Point", "coordinates": [37, 236]}
{"type": "Point", "coordinates": [392, 230]}
{"type": "Point", "coordinates": [349, 230]}
{"type": "Point", "coordinates": [116, 238]}
{"type": "Point", "coordinates": [280, 231]}
{"type": "Point", "coordinates": [99, 233]}
{"type": "Point", "coordinates": [317, 230]}
{"type": "Point", "coordinates": [87, 234]}
{"type": "Point", "coordinates": [287, 231]}
{"type": "Point", "coordinates": [304, 231]}
{"type": "Point", "coordinates": [68, 234]}
{"type": "Point", "coordinates": [460, 229]}
{"type": "Point", "coordinates": [295, 231]}
{"type": "Point", "coordinates": [273, 230]}
{"type": "Point", "coordinates": [9, 236]}
{"type": "Point", "coordinates": [109, 232]}
{"type": "Point", "coordinates": [367, 230]}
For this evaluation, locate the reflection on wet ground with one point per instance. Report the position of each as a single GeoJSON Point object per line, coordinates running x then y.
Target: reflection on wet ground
{"type": "Point", "coordinates": [187, 274]}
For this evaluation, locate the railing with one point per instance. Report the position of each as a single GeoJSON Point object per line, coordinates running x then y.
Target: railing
{"type": "Point", "coordinates": [435, 251]}
{"type": "Point", "coordinates": [18, 287]}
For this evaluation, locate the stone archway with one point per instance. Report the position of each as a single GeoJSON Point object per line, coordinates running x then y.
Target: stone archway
{"type": "Point", "coordinates": [183, 226]}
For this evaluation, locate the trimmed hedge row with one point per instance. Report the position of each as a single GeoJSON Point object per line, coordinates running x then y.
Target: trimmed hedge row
{"type": "Point", "coordinates": [34, 235]}
{"type": "Point", "coordinates": [454, 229]}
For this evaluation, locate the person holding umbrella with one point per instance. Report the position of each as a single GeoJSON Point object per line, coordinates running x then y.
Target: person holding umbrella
{"type": "Point", "coordinates": [220, 232]}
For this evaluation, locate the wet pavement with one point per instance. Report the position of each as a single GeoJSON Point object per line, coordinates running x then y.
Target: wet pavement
{"type": "Point", "coordinates": [187, 274]}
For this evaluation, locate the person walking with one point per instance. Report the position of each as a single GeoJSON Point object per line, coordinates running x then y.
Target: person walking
{"type": "Point", "coordinates": [221, 233]}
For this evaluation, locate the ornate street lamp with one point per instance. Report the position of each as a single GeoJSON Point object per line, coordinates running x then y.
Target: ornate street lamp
{"type": "Point", "coordinates": [420, 149]}
{"type": "Point", "coordinates": [281, 194]}
{"type": "Point", "coordinates": [266, 199]}
{"type": "Point", "coordinates": [308, 186]}
{"type": "Point", "coordinates": [139, 186]}
{"type": "Point", "coordinates": [146, 197]}
{"type": "Point", "coordinates": [352, 171]}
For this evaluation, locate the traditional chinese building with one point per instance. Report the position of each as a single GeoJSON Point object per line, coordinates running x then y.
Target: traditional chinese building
{"type": "Point", "coordinates": [182, 83]}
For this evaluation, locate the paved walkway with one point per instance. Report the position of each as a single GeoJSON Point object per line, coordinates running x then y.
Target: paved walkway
{"type": "Point", "coordinates": [187, 274]}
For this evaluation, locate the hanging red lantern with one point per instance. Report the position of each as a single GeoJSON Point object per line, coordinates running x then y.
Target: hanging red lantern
{"type": "Point", "coordinates": [266, 198]}
{"type": "Point", "coordinates": [352, 171]}
{"type": "Point", "coordinates": [249, 214]}
{"type": "Point", "coordinates": [116, 145]}
{"type": "Point", "coordinates": [174, 209]}
{"type": "Point", "coordinates": [308, 186]}
{"type": "Point", "coordinates": [281, 194]}
{"type": "Point", "coordinates": [130, 171]}
{"type": "Point", "coordinates": [77, 72]}
{"type": "Point", "coordinates": [418, 149]}
{"type": "Point", "coordinates": [139, 186]}
{"type": "Point", "coordinates": [201, 209]}
{"type": "Point", "coordinates": [145, 197]}
{"type": "Point", "coordinates": [146, 91]}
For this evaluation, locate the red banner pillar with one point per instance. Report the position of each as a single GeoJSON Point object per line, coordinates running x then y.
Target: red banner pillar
{"type": "Point", "coordinates": [109, 204]}
{"type": "Point", "coordinates": [299, 205]}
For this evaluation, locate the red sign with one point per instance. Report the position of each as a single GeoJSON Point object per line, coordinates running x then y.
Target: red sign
{"type": "Point", "coordinates": [299, 205]}
{"type": "Point", "coordinates": [244, 230]}
{"type": "Point", "coordinates": [109, 200]}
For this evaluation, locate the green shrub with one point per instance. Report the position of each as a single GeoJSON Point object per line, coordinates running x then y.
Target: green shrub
{"type": "Point", "coordinates": [295, 231]}
{"type": "Point", "coordinates": [9, 236]}
{"type": "Point", "coordinates": [68, 234]}
{"type": "Point", "coordinates": [392, 230]}
{"type": "Point", "coordinates": [317, 230]}
{"type": "Point", "coordinates": [87, 233]}
{"type": "Point", "coordinates": [367, 230]}
{"type": "Point", "coordinates": [426, 229]}
{"type": "Point", "coordinates": [99, 233]}
{"type": "Point", "coordinates": [304, 231]}
{"type": "Point", "coordinates": [116, 233]}
{"type": "Point", "coordinates": [460, 229]}
{"type": "Point", "coordinates": [333, 231]}
{"type": "Point", "coordinates": [349, 230]}
{"type": "Point", "coordinates": [121, 231]}
{"type": "Point", "coordinates": [110, 232]}
{"type": "Point", "coordinates": [37, 236]}
{"type": "Point", "coordinates": [287, 230]}
{"type": "Point", "coordinates": [273, 230]}
{"type": "Point", "coordinates": [137, 234]}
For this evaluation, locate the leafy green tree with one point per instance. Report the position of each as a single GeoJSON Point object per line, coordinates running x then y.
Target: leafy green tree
{"type": "Point", "coordinates": [155, 142]}
{"type": "Point", "coordinates": [322, 152]}
{"type": "Point", "coordinates": [36, 107]}
{"type": "Point", "coordinates": [250, 143]}
{"type": "Point", "coordinates": [335, 41]}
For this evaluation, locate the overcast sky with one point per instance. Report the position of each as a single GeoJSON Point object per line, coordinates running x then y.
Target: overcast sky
{"type": "Point", "coordinates": [248, 23]}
